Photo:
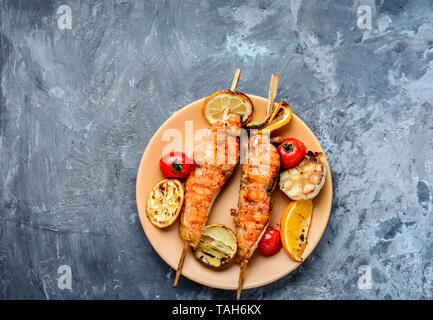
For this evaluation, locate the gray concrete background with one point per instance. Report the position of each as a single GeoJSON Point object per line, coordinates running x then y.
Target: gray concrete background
{"type": "Point", "coordinates": [79, 106]}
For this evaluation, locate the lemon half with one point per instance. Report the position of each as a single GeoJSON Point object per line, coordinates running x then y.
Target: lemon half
{"type": "Point", "coordinates": [164, 202]}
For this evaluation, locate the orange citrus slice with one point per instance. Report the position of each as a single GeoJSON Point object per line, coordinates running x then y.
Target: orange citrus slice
{"type": "Point", "coordinates": [295, 224]}
{"type": "Point", "coordinates": [237, 102]}
{"type": "Point", "coordinates": [164, 202]}
{"type": "Point", "coordinates": [280, 117]}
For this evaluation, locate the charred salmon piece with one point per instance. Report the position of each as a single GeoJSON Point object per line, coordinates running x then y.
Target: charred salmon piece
{"type": "Point", "coordinates": [216, 159]}
{"type": "Point", "coordinates": [258, 180]}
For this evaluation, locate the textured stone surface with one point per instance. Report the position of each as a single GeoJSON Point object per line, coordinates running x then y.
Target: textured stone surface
{"type": "Point", "coordinates": [79, 106]}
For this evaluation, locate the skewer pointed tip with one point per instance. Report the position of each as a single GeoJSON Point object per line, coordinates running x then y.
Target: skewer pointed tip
{"type": "Point", "coordinates": [180, 265]}
{"type": "Point", "coordinates": [241, 279]}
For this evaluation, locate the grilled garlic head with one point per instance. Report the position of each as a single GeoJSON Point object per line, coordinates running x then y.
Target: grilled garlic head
{"type": "Point", "coordinates": [305, 180]}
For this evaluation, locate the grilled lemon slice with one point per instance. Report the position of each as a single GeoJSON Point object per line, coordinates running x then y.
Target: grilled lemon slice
{"type": "Point", "coordinates": [305, 180]}
{"type": "Point", "coordinates": [239, 103]}
{"type": "Point", "coordinates": [164, 202]}
{"type": "Point", "coordinates": [217, 246]}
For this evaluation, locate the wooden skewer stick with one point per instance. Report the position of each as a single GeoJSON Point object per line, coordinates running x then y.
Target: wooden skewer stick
{"type": "Point", "coordinates": [241, 279]}
{"type": "Point", "coordinates": [235, 80]}
{"type": "Point", "coordinates": [186, 245]}
{"type": "Point", "coordinates": [180, 265]}
{"type": "Point", "coordinates": [233, 88]}
{"type": "Point", "coordinates": [272, 94]}
{"type": "Point", "coordinates": [271, 98]}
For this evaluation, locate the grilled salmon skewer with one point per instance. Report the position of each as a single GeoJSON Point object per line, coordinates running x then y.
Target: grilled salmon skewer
{"type": "Point", "coordinates": [258, 180]}
{"type": "Point", "coordinates": [216, 158]}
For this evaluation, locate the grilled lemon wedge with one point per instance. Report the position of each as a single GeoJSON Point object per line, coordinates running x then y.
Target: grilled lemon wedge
{"type": "Point", "coordinates": [304, 180]}
{"type": "Point", "coordinates": [217, 246]}
{"type": "Point", "coordinates": [164, 202]}
{"type": "Point", "coordinates": [280, 117]}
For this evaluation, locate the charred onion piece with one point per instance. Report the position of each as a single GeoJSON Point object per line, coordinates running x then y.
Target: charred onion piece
{"type": "Point", "coordinates": [217, 246]}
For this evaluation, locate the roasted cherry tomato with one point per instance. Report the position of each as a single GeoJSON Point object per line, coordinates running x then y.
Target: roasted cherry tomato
{"type": "Point", "coordinates": [175, 165]}
{"type": "Point", "coordinates": [270, 242]}
{"type": "Point", "coordinates": [291, 151]}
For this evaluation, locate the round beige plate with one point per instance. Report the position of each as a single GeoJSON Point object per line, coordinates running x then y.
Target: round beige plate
{"type": "Point", "coordinates": [167, 242]}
